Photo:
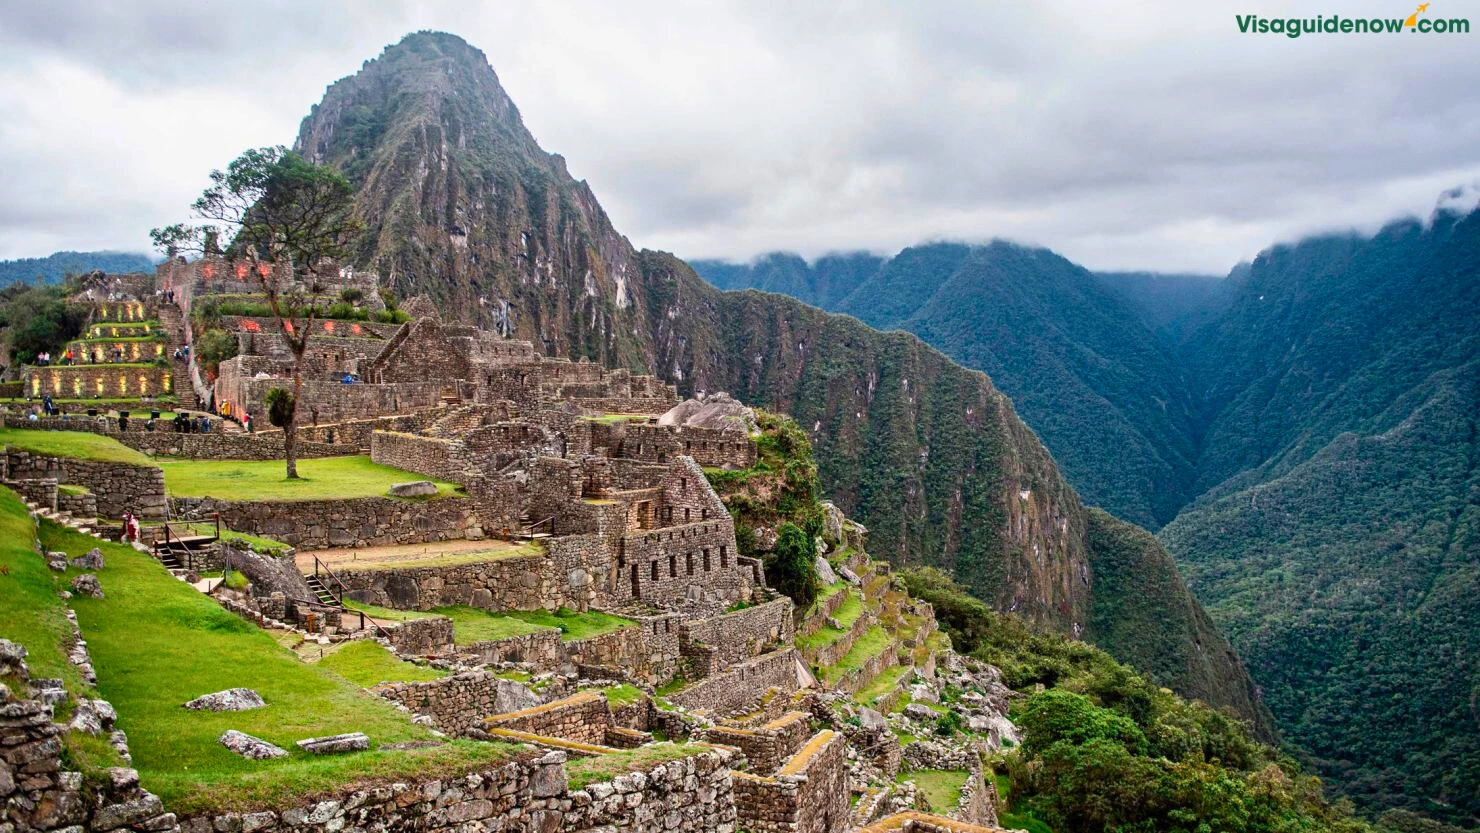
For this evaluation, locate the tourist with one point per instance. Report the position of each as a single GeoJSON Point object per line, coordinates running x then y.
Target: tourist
{"type": "Point", "coordinates": [247, 422]}
{"type": "Point", "coordinates": [130, 527]}
{"type": "Point", "coordinates": [123, 420]}
{"type": "Point", "coordinates": [43, 358]}
{"type": "Point", "coordinates": [48, 405]}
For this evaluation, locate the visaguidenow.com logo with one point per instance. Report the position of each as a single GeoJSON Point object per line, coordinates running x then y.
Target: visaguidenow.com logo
{"type": "Point", "coordinates": [1294, 27]}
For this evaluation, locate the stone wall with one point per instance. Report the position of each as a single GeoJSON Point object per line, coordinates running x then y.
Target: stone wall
{"type": "Point", "coordinates": [100, 380]}
{"type": "Point", "coordinates": [740, 635]}
{"type": "Point", "coordinates": [131, 349]}
{"type": "Point", "coordinates": [421, 352]}
{"type": "Point", "coordinates": [807, 795]}
{"type": "Point", "coordinates": [459, 702]}
{"type": "Point", "coordinates": [429, 456]}
{"type": "Point", "coordinates": [321, 524]}
{"type": "Point", "coordinates": [220, 446]}
{"type": "Point", "coordinates": [582, 718]}
{"type": "Point", "coordinates": [689, 795]}
{"type": "Point", "coordinates": [511, 583]}
{"type": "Point", "coordinates": [422, 637]}
{"type": "Point", "coordinates": [768, 746]}
{"type": "Point", "coordinates": [708, 446]}
{"type": "Point", "coordinates": [41, 491]}
{"type": "Point", "coordinates": [116, 487]}
{"type": "Point", "coordinates": [542, 649]}
{"type": "Point", "coordinates": [646, 653]}
{"type": "Point", "coordinates": [663, 566]}
{"type": "Point", "coordinates": [744, 684]}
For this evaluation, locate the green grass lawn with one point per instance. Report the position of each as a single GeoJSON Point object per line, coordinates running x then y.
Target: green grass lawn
{"type": "Point", "coordinates": [846, 614]}
{"type": "Point", "coordinates": [34, 615]}
{"type": "Point", "coordinates": [79, 444]}
{"type": "Point", "coordinates": [623, 694]}
{"type": "Point", "coordinates": [942, 787]}
{"type": "Point", "coordinates": [586, 771]}
{"type": "Point", "coordinates": [157, 643]}
{"type": "Point", "coordinates": [368, 664]}
{"type": "Point", "coordinates": [611, 419]}
{"type": "Point", "coordinates": [471, 624]}
{"type": "Point", "coordinates": [883, 684]}
{"type": "Point", "coordinates": [328, 477]}
{"type": "Point", "coordinates": [871, 644]}
{"type": "Point", "coordinates": [497, 551]}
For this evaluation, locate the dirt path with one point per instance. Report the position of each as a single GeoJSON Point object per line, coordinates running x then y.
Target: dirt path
{"type": "Point", "coordinates": [397, 552]}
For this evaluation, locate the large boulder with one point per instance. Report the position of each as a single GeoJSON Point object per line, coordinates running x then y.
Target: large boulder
{"type": "Point", "coordinates": [93, 560]}
{"type": "Point", "coordinates": [335, 744]}
{"type": "Point", "coordinates": [230, 700]}
{"type": "Point", "coordinates": [87, 585]}
{"type": "Point", "coordinates": [832, 523]}
{"type": "Point", "coordinates": [825, 571]}
{"type": "Point", "coordinates": [715, 410]}
{"type": "Point", "coordinates": [416, 488]}
{"type": "Point", "coordinates": [255, 749]}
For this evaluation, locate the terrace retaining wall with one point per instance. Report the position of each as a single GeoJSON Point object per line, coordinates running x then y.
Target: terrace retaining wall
{"type": "Point", "coordinates": [582, 718]}
{"type": "Point", "coordinates": [116, 487]}
{"type": "Point", "coordinates": [459, 702]}
{"type": "Point", "coordinates": [351, 522]}
{"type": "Point", "coordinates": [808, 795]}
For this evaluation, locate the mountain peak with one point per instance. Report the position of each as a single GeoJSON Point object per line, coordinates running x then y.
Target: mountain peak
{"type": "Point", "coordinates": [426, 79]}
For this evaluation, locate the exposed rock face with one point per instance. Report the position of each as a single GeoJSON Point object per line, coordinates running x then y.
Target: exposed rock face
{"type": "Point", "coordinates": [230, 700]}
{"type": "Point", "coordinates": [255, 749]}
{"type": "Point", "coordinates": [717, 410]}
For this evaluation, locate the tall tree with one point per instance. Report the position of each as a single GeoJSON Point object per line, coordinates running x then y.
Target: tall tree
{"type": "Point", "coordinates": [277, 210]}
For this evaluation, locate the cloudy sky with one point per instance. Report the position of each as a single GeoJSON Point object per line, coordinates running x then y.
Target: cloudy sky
{"type": "Point", "coordinates": [1125, 135]}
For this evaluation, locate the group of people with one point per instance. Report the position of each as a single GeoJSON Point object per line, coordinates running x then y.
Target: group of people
{"type": "Point", "coordinates": [71, 357]}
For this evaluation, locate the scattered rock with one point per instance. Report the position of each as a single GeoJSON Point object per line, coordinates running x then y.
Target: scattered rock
{"type": "Point", "coordinates": [850, 576]}
{"type": "Point", "coordinates": [49, 691]}
{"type": "Point", "coordinates": [825, 571]}
{"type": "Point", "coordinates": [416, 488]}
{"type": "Point", "coordinates": [230, 700]}
{"type": "Point", "coordinates": [87, 585]}
{"type": "Point", "coordinates": [915, 711]}
{"type": "Point", "coordinates": [255, 749]}
{"type": "Point", "coordinates": [333, 744]}
{"type": "Point", "coordinates": [57, 561]}
{"type": "Point", "coordinates": [870, 719]}
{"type": "Point", "coordinates": [92, 560]}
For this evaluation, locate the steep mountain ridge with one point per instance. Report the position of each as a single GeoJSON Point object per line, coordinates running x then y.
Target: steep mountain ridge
{"type": "Point", "coordinates": [462, 205]}
{"type": "Point", "coordinates": [1327, 394]}
{"type": "Point", "coordinates": [1070, 352]}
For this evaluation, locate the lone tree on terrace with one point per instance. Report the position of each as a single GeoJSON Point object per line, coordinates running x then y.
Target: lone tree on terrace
{"type": "Point", "coordinates": [276, 209]}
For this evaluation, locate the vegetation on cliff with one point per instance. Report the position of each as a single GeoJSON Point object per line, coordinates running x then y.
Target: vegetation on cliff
{"type": "Point", "coordinates": [1322, 395]}
{"type": "Point", "coordinates": [1106, 749]}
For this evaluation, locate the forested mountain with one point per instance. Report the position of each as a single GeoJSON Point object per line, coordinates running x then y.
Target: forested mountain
{"type": "Point", "coordinates": [1079, 363]}
{"type": "Point", "coordinates": [1324, 401]}
{"type": "Point", "coordinates": [54, 267]}
{"type": "Point", "coordinates": [462, 204]}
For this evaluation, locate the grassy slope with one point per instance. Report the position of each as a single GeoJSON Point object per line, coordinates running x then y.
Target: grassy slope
{"type": "Point", "coordinates": [79, 444]}
{"type": "Point", "coordinates": [368, 664]}
{"type": "Point", "coordinates": [156, 643]}
{"type": "Point", "coordinates": [329, 477]}
{"type": "Point", "coordinates": [471, 624]}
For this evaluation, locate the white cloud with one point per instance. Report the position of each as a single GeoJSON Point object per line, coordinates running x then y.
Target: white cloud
{"type": "Point", "coordinates": [1123, 135]}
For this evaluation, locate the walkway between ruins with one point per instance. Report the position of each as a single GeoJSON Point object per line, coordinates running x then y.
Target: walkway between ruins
{"type": "Point", "coordinates": [371, 557]}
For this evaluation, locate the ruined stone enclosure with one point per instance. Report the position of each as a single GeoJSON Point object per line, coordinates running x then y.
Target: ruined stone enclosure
{"type": "Point", "coordinates": [577, 602]}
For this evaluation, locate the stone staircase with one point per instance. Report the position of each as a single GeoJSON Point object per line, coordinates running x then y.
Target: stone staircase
{"type": "Point", "coordinates": [86, 526]}
{"type": "Point", "coordinates": [172, 320]}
